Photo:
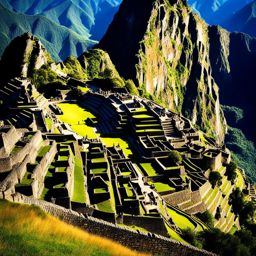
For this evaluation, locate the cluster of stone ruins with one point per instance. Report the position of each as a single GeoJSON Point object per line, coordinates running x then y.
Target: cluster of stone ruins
{"type": "Point", "coordinates": [37, 162]}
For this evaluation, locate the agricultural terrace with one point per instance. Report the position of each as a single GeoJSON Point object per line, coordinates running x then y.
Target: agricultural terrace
{"type": "Point", "coordinates": [75, 116]}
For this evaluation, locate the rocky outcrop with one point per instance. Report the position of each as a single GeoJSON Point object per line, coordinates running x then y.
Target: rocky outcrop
{"type": "Point", "coordinates": [164, 47]}
{"type": "Point", "coordinates": [23, 55]}
{"type": "Point", "coordinates": [98, 65]}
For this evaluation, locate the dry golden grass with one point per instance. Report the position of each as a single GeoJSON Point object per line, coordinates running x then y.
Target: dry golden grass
{"type": "Point", "coordinates": [29, 220]}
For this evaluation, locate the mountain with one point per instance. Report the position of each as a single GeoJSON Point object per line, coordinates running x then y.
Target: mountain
{"type": "Point", "coordinates": [29, 54]}
{"type": "Point", "coordinates": [164, 47]}
{"type": "Point", "coordinates": [217, 11]}
{"type": "Point", "coordinates": [244, 20]}
{"type": "Point", "coordinates": [60, 41]}
{"type": "Point", "coordinates": [188, 66]}
{"type": "Point", "coordinates": [78, 21]}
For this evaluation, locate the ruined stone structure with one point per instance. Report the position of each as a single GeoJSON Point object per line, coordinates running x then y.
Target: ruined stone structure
{"type": "Point", "coordinates": [165, 175]}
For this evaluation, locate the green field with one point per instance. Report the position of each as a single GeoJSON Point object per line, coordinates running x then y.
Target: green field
{"type": "Point", "coordinates": [79, 195]}
{"type": "Point", "coordinates": [149, 169]}
{"type": "Point", "coordinates": [162, 187]}
{"type": "Point", "coordinates": [75, 116]}
{"type": "Point", "coordinates": [110, 142]}
{"type": "Point", "coordinates": [181, 221]}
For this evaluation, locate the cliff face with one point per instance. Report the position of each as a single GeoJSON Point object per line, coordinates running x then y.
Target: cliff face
{"type": "Point", "coordinates": [23, 55]}
{"type": "Point", "coordinates": [164, 47]}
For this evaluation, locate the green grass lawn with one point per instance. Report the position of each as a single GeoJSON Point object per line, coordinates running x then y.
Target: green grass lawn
{"type": "Point", "coordinates": [181, 221]}
{"type": "Point", "coordinates": [26, 181]}
{"type": "Point", "coordinates": [79, 195]}
{"type": "Point", "coordinates": [110, 142]}
{"type": "Point", "coordinates": [174, 235]}
{"type": "Point", "coordinates": [83, 89]}
{"type": "Point", "coordinates": [213, 195]}
{"type": "Point", "coordinates": [240, 180]}
{"type": "Point", "coordinates": [142, 116]}
{"type": "Point", "coordinates": [28, 231]}
{"type": "Point", "coordinates": [75, 116]}
{"type": "Point", "coordinates": [49, 123]}
{"type": "Point", "coordinates": [128, 190]}
{"type": "Point", "coordinates": [42, 152]}
{"type": "Point", "coordinates": [162, 187]}
{"type": "Point", "coordinates": [99, 170]}
{"type": "Point", "coordinates": [149, 169]}
{"type": "Point", "coordinates": [100, 190]}
{"type": "Point", "coordinates": [139, 110]}
{"type": "Point", "coordinates": [105, 206]}
{"type": "Point", "coordinates": [98, 160]}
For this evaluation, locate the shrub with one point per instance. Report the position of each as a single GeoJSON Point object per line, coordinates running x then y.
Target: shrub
{"type": "Point", "coordinates": [231, 171]}
{"type": "Point", "coordinates": [207, 218]}
{"type": "Point", "coordinates": [175, 156]}
{"type": "Point", "coordinates": [131, 87]}
{"type": "Point", "coordinates": [215, 179]}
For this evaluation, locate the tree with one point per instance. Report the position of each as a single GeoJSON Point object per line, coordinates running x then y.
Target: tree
{"type": "Point", "coordinates": [206, 217]}
{"type": "Point", "coordinates": [215, 179]}
{"type": "Point", "coordinates": [231, 171]}
{"type": "Point", "coordinates": [237, 201]}
{"type": "Point", "coordinates": [131, 87]}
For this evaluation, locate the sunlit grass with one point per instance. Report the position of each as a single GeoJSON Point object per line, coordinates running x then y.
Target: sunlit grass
{"type": "Point", "coordinates": [26, 230]}
{"type": "Point", "coordinates": [75, 116]}
{"type": "Point", "coordinates": [181, 221]}
{"type": "Point", "coordinates": [240, 180]}
{"type": "Point", "coordinates": [79, 187]}
{"type": "Point", "coordinates": [149, 169]}
{"type": "Point", "coordinates": [110, 142]}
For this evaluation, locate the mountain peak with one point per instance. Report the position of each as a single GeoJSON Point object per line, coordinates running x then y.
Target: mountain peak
{"type": "Point", "coordinates": [28, 53]}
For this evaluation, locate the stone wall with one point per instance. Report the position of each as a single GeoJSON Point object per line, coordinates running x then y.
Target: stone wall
{"type": "Point", "coordinates": [147, 223]}
{"type": "Point", "coordinates": [149, 243]}
{"type": "Point", "coordinates": [41, 170]}
{"type": "Point", "coordinates": [30, 149]}
{"type": "Point", "coordinates": [178, 197]}
{"type": "Point", "coordinates": [9, 139]}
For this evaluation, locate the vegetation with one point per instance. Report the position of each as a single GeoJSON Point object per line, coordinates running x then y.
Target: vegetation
{"type": "Point", "coordinates": [231, 171]}
{"type": "Point", "coordinates": [215, 178]}
{"type": "Point", "coordinates": [98, 65]}
{"type": "Point", "coordinates": [75, 116]}
{"type": "Point", "coordinates": [79, 186]}
{"type": "Point", "coordinates": [242, 243]}
{"type": "Point", "coordinates": [47, 81]}
{"type": "Point", "coordinates": [207, 218]}
{"type": "Point", "coordinates": [74, 69]}
{"type": "Point", "coordinates": [242, 207]}
{"type": "Point", "coordinates": [26, 230]}
{"type": "Point", "coordinates": [131, 87]}
{"type": "Point", "coordinates": [175, 156]}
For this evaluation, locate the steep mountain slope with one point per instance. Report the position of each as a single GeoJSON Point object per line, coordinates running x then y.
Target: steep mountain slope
{"type": "Point", "coordinates": [78, 15]}
{"type": "Point", "coordinates": [171, 53]}
{"type": "Point", "coordinates": [65, 27]}
{"type": "Point", "coordinates": [244, 20]}
{"type": "Point", "coordinates": [217, 11]}
{"type": "Point", "coordinates": [60, 41]}
{"type": "Point", "coordinates": [234, 72]}
{"type": "Point", "coordinates": [164, 47]}
{"type": "Point", "coordinates": [29, 54]}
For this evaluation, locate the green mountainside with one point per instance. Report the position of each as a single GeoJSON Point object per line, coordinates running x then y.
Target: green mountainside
{"type": "Point", "coordinates": [60, 41]}
{"type": "Point", "coordinates": [65, 27]}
